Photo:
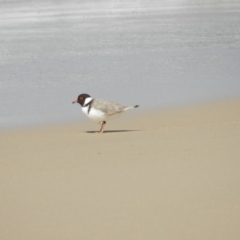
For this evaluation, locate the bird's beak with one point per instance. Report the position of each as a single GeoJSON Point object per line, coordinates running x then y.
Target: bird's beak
{"type": "Point", "coordinates": [76, 101]}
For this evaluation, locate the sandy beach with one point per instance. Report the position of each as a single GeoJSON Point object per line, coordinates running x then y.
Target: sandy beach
{"type": "Point", "coordinates": [169, 173]}
{"type": "Point", "coordinates": [162, 174]}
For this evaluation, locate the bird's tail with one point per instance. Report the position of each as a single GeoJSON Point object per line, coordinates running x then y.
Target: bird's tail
{"type": "Point", "coordinates": [130, 107]}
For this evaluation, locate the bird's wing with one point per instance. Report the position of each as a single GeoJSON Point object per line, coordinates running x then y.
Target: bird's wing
{"type": "Point", "coordinates": [109, 108]}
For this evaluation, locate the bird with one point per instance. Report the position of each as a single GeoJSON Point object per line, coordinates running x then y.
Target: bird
{"type": "Point", "coordinates": [99, 110]}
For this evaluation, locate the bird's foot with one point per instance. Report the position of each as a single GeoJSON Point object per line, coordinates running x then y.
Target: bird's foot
{"type": "Point", "coordinates": [99, 132]}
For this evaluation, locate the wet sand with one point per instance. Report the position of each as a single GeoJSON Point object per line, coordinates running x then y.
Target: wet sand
{"type": "Point", "coordinates": [171, 52]}
{"type": "Point", "coordinates": [162, 174]}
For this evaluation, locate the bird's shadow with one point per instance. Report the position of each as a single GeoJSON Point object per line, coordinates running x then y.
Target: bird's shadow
{"type": "Point", "coordinates": [114, 131]}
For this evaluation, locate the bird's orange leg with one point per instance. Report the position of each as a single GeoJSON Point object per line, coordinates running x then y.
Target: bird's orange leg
{"type": "Point", "coordinates": [102, 127]}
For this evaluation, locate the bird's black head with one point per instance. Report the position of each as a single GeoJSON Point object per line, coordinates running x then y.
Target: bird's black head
{"type": "Point", "coordinates": [81, 99]}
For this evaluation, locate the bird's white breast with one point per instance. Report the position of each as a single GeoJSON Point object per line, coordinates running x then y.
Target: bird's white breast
{"type": "Point", "coordinates": [94, 114]}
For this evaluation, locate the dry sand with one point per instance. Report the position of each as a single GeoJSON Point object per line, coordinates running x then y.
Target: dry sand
{"type": "Point", "coordinates": [173, 174]}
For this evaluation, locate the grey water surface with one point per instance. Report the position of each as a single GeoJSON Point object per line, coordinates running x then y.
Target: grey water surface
{"type": "Point", "coordinates": [153, 53]}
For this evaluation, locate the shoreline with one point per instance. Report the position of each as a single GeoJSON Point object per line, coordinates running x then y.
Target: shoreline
{"type": "Point", "coordinates": [83, 120]}
{"type": "Point", "coordinates": [159, 174]}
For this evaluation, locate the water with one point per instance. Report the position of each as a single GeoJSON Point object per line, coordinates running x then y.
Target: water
{"type": "Point", "coordinates": [151, 53]}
